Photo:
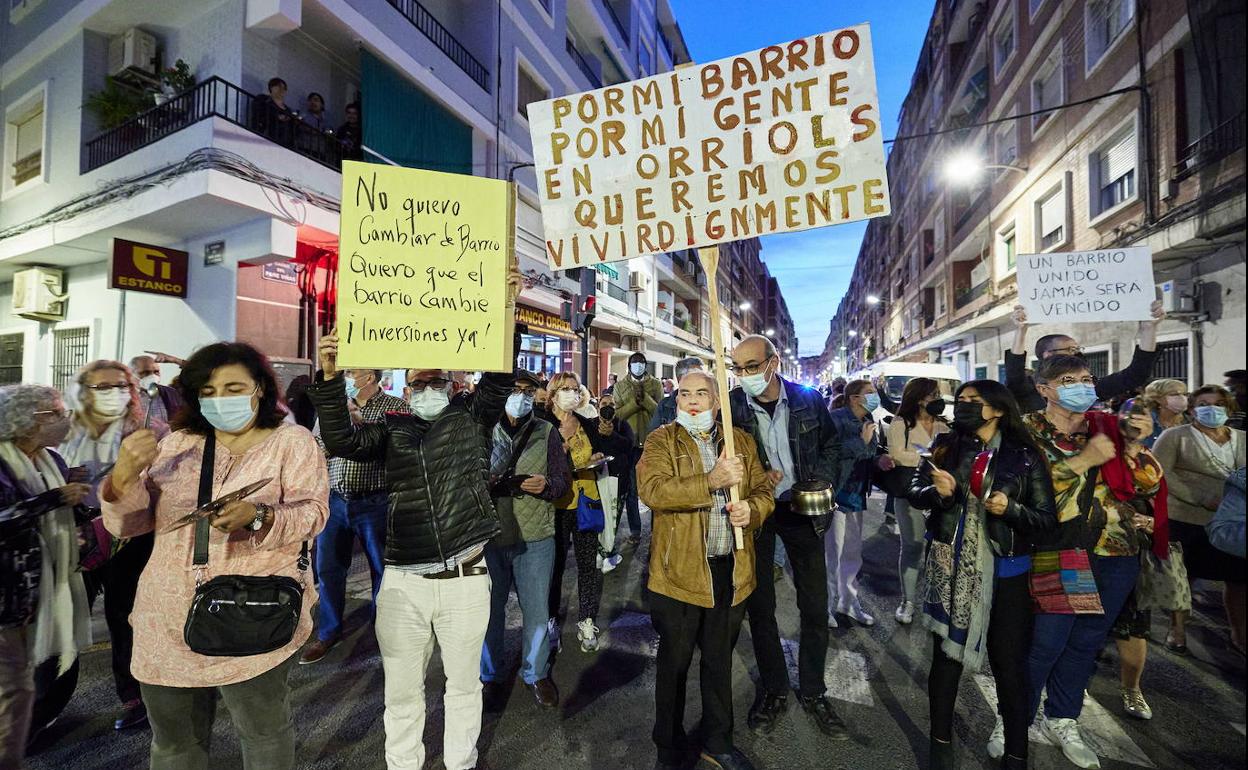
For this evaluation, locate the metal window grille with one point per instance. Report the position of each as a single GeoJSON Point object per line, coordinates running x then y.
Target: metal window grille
{"type": "Point", "coordinates": [1098, 363]}
{"type": "Point", "coordinates": [12, 347]}
{"type": "Point", "coordinates": [69, 354]}
{"type": "Point", "coordinates": [1171, 360]}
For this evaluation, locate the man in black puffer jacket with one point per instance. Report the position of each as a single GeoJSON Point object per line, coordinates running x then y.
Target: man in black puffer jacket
{"type": "Point", "coordinates": [435, 586]}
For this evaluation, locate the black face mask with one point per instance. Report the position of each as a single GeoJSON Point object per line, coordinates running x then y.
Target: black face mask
{"type": "Point", "coordinates": [968, 417]}
{"type": "Point", "coordinates": [607, 413]}
{"type": "Point", "coordinates": [935, 408]}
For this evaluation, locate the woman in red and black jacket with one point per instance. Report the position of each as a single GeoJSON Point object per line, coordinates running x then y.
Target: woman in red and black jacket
{"type": "Point", "coordinates": [989, 492]}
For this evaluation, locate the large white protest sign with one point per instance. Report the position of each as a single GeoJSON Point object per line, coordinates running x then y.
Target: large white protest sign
{"type": "Point", "coordinates": [784, 138]}
{"type": "Point", "coordinates": [1082, 286]}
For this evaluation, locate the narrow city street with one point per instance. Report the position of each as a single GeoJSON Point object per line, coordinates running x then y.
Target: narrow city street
{"type": "Point", "coordinates": [877, 677]}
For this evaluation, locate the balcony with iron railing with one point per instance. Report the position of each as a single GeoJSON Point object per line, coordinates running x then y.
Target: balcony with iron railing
{"type": "Point", "coordinates": [582, 63]}
{"type": "Point", "coordinates": [965, 296]}
{"type": "Point", "coordinates": [1219, 142]}
{"type": "Point", "coordinates": [428, 25]}
{"type": "Point", "coordinates": [216, 98]}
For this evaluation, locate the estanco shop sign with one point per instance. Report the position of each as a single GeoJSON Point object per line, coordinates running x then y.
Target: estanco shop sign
{"type": "Point", "coordinates": [148, 268]}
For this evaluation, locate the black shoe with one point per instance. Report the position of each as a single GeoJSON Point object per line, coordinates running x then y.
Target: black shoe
{"type": "Point", "coordinates": [133, 714]}
{"type": "Point", "coordinates": [766, 713]}
{"type": "Point", "coordinates": [661, 765]}
{"type": "Point", "coordinates": [1013, 763]}
{"type": "Point", "coordinates": [733, 760]}
{"type": "Point", "coordinates": [941, 755]}
{"type": "Point", "coordinates": [829, 723]}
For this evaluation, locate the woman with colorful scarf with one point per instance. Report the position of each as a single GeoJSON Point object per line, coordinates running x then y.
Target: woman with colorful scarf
{"type": "Point", "coordinates": [989, 490]}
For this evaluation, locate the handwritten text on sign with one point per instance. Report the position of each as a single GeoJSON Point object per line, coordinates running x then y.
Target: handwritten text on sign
{"type": "Point", "coordinates": [422, 270]}
{"type": "Point", "coordinates": [1111, 285]}
{"type": "Point", "coordinates": [784, 138]}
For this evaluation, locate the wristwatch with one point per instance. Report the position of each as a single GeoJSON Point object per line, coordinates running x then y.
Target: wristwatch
{"type": "Point", "coordinates": [262, 513]}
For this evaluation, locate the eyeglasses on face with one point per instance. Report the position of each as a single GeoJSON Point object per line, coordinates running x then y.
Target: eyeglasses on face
{"type": "Point", "coordinates": [569, 389]}
{"type": "Point", "coordinates": [747, 369]}
{"type": "Point", "coordinates": [438, 383]}
{"type": "Point", "coordinates": [59, 414]}
{"type": "Point", "coordinates": [104, 387]}
{"type": "Point", "coordinates": [1071, 380]}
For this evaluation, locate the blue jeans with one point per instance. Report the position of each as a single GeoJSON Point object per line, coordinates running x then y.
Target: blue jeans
{"type": "Point", "coordinates": [529, 566]}
{"type": "Point", "coordinates": [1064, 647]}
{"type": "Point", "coordinates": [363, 518]}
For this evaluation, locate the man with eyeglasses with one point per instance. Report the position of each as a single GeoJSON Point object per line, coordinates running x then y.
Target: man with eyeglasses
{"type": "Point", "coordinates": [1136, 375]}
{"type": "Point", "coordinates": [529, 471]}
{"type": "Point", "coordinates": [357, 511]}
{"type": "Point", "coordinates": [435, 586]}
{"type": "Point", "coordinates": [796, 442]}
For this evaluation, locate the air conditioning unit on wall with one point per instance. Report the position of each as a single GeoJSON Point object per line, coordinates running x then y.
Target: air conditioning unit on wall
{"type": "Point", "coordinates": [39, 294]}
{"type": "Point", "coordinates": [133, 49]}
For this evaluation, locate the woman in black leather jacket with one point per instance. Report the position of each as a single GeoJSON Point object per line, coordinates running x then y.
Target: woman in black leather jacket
{"type": "Point", "coordinates": [985, 509]}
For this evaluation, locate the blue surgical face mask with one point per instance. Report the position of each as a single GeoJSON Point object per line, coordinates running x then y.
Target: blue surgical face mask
{"type": "Point", "coordinates": [228, 414]}
{"type": "Point", "coordinates": [702, 422]}
{"type": "Point", "coordinates": [427, 404]}
{"type": "Point", "coordinates": [353, 390]}
{"type": "Point", "coordinates": [755, 384]}
{"type": "Point", "coordinates": [1076, 397]}
{"type": "Point", "coordinates": [1211, 416]}
{"type": "Point", "coordinates": [871, 401]}
{"type": "Point", "coordinates": [518, 405]}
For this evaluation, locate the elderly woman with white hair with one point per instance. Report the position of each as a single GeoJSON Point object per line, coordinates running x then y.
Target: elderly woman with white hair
{"type": "Point", "coordinates": [586, 440]}
{"type": "Point", "coordinates": [43, 602]}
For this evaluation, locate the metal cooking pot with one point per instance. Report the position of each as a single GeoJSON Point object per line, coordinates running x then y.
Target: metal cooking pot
{"type": "Point", "coordinates": [812, 498]}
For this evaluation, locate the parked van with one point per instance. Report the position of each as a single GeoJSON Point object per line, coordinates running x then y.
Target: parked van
{"type": "Point", "coordinates": [891, 377]}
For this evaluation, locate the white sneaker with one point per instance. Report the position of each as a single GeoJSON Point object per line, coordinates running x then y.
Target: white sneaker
{"type": "Point", "coordinates": [1134, 704]}
{"type": "Point", "coordinates": [904, 613]}
{"type": "Point", "coordinates": [1065, 732]}
{"type": "Point", "coordinates": [587, 632]}
{"type": "Point", "coordinates": [832, 620]}
{"type": "Point", "coordinates": [610, 562]}
{"type": "Point", "coordinates": [552, 634]}
{"type": "Point", "coordinates": [996, 741]}
{"type": "Point", "coordinates": [859, 614]}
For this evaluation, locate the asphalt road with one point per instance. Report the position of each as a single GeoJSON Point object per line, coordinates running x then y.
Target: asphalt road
{"type": "Point", "coordinates": [877, 677]}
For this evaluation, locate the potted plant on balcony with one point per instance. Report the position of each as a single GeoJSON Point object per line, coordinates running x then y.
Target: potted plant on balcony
{"type": "Point", "coordinates": [116, 103]}
{"type": "Point", "coordinates": [174, 80]}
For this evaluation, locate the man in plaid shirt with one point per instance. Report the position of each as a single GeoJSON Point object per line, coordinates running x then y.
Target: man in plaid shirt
{"type": "Point", "coordinates": [357, 509]}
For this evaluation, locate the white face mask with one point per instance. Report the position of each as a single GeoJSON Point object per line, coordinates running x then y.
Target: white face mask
{"type": "Point", "coordinates": [755, 384]}
{"type": "Point", "coordinates": [638, 369]}
{"type": "Point", "coordinates": [702, 422]}
{"type": "Point", "coordinates": [567, 400]}
{"type": "Point", "coordinates": [110, 403]}
{"type": "Point", "coordinates": [518, 405]}
{"type": "Point", "coordinates": [429, 403]}
{"type": "Point", "coordinates": [145, 383]}
{"type": "Point", "coordinates": [1176, 403]}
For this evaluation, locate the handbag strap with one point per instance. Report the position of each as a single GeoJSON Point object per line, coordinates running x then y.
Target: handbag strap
{"type": "Point", "coordinates": [517, 448]}
{"type": "Point", "coordinates": [200, 559]}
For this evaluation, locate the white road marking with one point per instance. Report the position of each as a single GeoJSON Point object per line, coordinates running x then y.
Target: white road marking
{"type": "Point", "coordinates": [845, 673]}
{"type": "Point", "coordinates": [1238, 727]}
{"type": "Point", "coordinates": [1099, 728]}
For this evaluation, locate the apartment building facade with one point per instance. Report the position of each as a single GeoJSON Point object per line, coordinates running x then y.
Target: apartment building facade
{"type": "Point", "coordinates": [1149, 152]}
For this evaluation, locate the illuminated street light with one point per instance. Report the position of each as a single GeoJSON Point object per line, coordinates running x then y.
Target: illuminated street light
{"type": "Point", "coordinates": [770, 332]}
{"type": "Point", "coordinates": [873, 299]}
{"type": "Point", "coordinates": [853, 332]}
{"type": "Point", "coordinates": [788, 351]}
{"type": "Point", "coordinates": [965, 167]}
{"type": "Point", "coordinates": [744, 306]}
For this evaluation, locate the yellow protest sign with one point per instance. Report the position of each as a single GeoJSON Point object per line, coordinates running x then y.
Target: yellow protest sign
{"type": "Point", "coordinates": [422, 270]}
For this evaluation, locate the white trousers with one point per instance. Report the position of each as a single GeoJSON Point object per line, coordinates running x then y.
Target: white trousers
{"type": "Point", "coordinates": [843, 554]}
{"type": "Point", "coordinates": [412, 613]}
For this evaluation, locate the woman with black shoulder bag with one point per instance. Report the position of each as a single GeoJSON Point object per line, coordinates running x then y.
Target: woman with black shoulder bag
{"type": "Point", "coordinates": [913, 429]}
{"type": "Point", "coordinates": [238, 494]}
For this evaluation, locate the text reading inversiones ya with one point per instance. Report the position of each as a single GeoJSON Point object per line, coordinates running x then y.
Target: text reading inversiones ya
{"type": "Point", "coordinates": [785, 138]}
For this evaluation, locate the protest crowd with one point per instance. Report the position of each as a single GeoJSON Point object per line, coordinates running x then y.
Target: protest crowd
{"type": "Point", "coordinates": [213, 522]}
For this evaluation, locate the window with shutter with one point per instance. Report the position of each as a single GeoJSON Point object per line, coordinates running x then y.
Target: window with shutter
{"type": "Point", "coordinates": [1051, 216]}
{"type": "Point", "coordinates": [1114, 171]}
{"type": "Point", "coordinates": [1046, 89]}
{"type": "Point", "coordinates": [24, 140]}
{"type": "Point", "coordinates": [1104, 22]}
{"type": "Point", "coordinates": [528, 89]}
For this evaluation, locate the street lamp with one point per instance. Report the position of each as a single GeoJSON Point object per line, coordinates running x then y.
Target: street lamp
{"type": "Point", "coordinates": [788, 351]}
{"type": "Point", "coordinates": [964, 167]}
{"type": "Point", "coordinates": [873, 299]}
{"type": "Point", "coordinates": [744, 306]}
{"type": "Point", "coordinates": [853, 332]}
{"type": "Point", "coordinates": [770, 332]}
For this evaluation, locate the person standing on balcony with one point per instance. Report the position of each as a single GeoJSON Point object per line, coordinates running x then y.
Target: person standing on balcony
{"type": "Point", "coordinates": [357, 511]}
{"type": "Point", "coordinates": [351, 133]}
{"type": "Point", "coordinates": [314, 115]}
{"type": "Point", "coordinates": [1135, 376]}
{"type": "Point", "coordinates": [271, 116]}
{"type": "Point", "coordinates": [637, 398]}
{"type": "Point", "coordinates": [796, 442]}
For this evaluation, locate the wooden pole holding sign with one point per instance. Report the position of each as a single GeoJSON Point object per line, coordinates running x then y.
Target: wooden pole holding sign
{"type": "Point", "coordinates": [710, 263]}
